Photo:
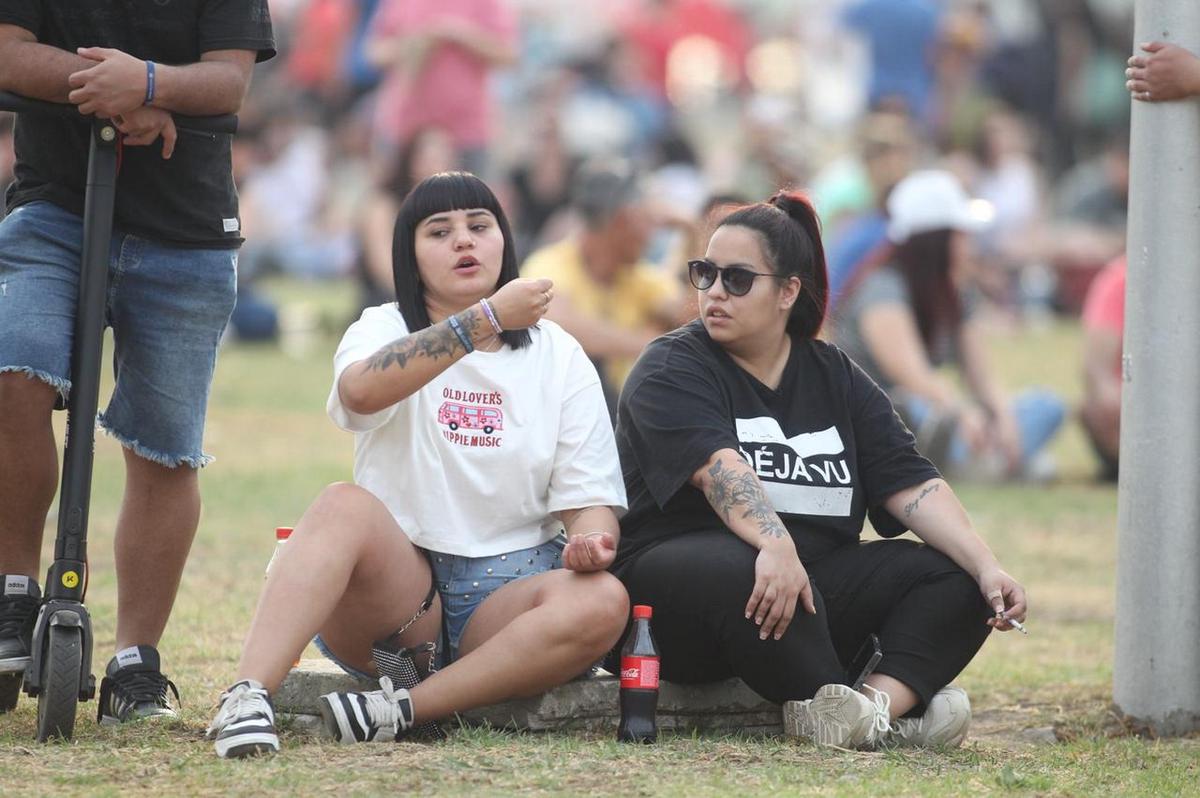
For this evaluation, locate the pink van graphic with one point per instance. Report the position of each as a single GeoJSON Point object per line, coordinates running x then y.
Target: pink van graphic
{"type": "Point", "coordinates": [455, 415]}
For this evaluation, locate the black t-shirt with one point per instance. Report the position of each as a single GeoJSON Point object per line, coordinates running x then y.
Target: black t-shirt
{"type": "Point", "coordinates": [188, 200]}
{"type": "Point", "coordinates": [827, 445]}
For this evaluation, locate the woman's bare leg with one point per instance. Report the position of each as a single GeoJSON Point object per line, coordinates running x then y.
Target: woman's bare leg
{"type": "Point", "coordinates": [349, 572]}
{"type": "Point", "coordinates": [527, 637]}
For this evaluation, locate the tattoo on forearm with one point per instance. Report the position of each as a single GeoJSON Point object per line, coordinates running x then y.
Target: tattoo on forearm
{"type": "Point", "coordinates": [433, 343]}
{"type": "Point", "coordinates": [470, 320]}
{"type": "Point", "coordinates": [912, 505]}
{"type": "Point", "coordinates": [729, 490]}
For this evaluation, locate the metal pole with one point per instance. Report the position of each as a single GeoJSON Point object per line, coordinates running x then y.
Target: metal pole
{"type": "Point", "coordinates": [1156, 670]}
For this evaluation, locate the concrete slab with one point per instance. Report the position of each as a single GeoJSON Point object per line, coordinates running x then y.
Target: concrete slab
{"type": "Point", "coordinates": [588, 704]}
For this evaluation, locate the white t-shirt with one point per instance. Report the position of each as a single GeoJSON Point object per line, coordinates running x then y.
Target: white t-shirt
{"type": "Point", "coordinates": [476, 461]}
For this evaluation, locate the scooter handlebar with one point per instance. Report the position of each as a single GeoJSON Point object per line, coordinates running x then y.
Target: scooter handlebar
{"type": "Point", "coordinates": [222, 123]}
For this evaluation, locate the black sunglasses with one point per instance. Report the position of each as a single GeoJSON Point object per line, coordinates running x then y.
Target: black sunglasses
{"type": "Point", "coordinates": [738, 280]}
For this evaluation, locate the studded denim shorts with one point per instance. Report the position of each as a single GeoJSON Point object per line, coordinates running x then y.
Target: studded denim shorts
{"type": "Point", "coordinates": [464, 582]}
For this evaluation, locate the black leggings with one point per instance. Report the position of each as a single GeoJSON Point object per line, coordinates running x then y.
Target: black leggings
{"type": "Point", "coordinates": [928, 613]}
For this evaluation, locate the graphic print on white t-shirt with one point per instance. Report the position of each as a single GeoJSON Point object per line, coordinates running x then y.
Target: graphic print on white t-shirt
{"type": "Point", "coordinates": [472, 418]}
{"type": "Point", "coordinates": [803, 474]}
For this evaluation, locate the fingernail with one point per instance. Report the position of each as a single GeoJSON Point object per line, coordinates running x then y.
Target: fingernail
{"type": "Point", "coordinates": [778, 636]}
{"type": "Point", "coordinates": [758, 621]}
{"type": "Point", "coordinates": [762, 636]}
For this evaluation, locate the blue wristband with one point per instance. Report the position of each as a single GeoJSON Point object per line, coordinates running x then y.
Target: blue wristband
{"type": "Point", "coordinates": [456, 325]}
{"type": "Point", "coordinates": [149, 82]}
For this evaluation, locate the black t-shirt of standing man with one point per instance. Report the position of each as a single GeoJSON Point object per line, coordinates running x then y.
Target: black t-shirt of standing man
{"type": "Point", "coordinates": [826, 445]}
{"type": "Point", "coordinates": [188, 200]}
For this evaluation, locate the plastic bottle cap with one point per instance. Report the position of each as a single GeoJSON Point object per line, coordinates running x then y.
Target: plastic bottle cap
{"type": "Point", "coordinates": [283, 532]}
{"type": "Point", "coordinates": [642, 611]}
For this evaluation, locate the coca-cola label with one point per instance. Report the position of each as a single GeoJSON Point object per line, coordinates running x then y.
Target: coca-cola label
{"type": "Point", "coordinates": [640, 673]}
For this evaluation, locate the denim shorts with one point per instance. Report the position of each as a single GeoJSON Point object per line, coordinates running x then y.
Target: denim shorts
{"type": "Point", "coordinates": [463, 583]}
{"type": "Point", "coordinates": [167, 307]}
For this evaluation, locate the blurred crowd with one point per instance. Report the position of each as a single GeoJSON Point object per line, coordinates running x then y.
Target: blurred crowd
{"type": "Point", "coordinates": [614, 131]}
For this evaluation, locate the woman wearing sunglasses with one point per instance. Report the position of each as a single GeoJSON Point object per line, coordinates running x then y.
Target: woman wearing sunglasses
{"type": "Point", "coordinates": [752, 455]}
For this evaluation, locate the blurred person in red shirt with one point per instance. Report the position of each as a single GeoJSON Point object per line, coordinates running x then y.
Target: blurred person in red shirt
{"type": "Point", "coordinates": [1103, 328]}
{"type": "Point", "coordinates": [322, 33]}
{"type": "Point", "coordinates": [436, 56]}
{"type": "Point", "coordinates": [655, 27]}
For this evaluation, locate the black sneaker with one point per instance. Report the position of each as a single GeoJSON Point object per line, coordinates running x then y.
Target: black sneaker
{"type": "Point", "coordinates": [19, 604]}
{"type": "Point", "coordinates": [375, 716]}
{"type": "Point", "coordinates": [134, 688]}
{"type": "Point", "coordinates": [245, 722]}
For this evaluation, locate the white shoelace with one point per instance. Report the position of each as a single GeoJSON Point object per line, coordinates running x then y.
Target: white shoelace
{"type": "Point", "coordinates": [242, 700]}
{"type": "Point", "coordinates": [383, 706]}
{"type": "Point", "coordinates": [881, 724]}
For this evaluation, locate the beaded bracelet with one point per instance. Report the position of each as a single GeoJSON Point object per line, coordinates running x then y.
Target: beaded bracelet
{"type": "Point", "coordinates": [491, 315]}
{"type": "Point", "coordinates": [457, 327]}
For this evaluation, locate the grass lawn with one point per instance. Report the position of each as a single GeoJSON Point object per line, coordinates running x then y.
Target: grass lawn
{"type": "Point", "coordinates": [1043, 721]}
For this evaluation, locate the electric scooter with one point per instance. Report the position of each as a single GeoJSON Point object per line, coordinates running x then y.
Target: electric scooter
{"type": "Point", "coordinates": [59, 674]}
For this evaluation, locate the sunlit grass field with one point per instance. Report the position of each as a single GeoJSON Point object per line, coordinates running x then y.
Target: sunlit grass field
{"type": "Point", "coordinates": [1043, 718]}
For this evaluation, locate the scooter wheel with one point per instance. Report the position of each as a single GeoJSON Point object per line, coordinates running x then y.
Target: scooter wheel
{"type": "Point", "coordinates": [10, 690]}
{"type": "Point", "coordinates": [60, 683]}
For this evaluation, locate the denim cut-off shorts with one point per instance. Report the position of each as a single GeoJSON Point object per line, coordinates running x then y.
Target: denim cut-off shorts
{"type": "Point", "coordinates": [167, 307]}
{"type": "Point", "coordinates": [463, 583]}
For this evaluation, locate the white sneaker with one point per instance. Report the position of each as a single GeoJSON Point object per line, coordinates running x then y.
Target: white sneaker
{"type": "Point", "coordinates": [944, 724]}
{"type": "Point", "coordinates": [840, 716]}
{"type": "Point", "coordinates": [245, 723]}
{"type": "Point", "coordinates": [375, 716]}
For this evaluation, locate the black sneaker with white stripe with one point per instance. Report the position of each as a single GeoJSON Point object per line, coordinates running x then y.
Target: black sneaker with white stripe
{"type": "Point", "coordinates": [134, 688]}
{"type": "Point", "coordinates": [245, 723]}
{"type": "Point", "coordinates": [376, 716]}
{"type": "Point", "coordinates": [19, 602]}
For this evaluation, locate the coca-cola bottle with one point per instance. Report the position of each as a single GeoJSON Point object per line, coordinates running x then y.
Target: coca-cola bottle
{"type": "Point", "coordinates": [639, 681]}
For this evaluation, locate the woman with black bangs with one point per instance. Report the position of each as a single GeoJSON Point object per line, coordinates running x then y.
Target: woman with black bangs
{"type": "Point", "coordinates": [480, 432]}
{"type": "Point", "coordinates": [752, 455]}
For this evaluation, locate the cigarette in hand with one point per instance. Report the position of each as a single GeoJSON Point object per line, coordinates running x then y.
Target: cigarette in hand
{"type": "Point", "coordinates": [1013, 622]}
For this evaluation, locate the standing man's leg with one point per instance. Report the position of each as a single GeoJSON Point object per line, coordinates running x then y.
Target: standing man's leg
{"type": "Point", "coordinates": [159, 515]}
{"type": "Point", "coordinates": [28, 470]}
{"type": "Point", "coordinates": [168, 309]}
{"type": "Point", "coordinates": [39, 272]}
{"type": "Point", "coordinates": [28, 477]}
